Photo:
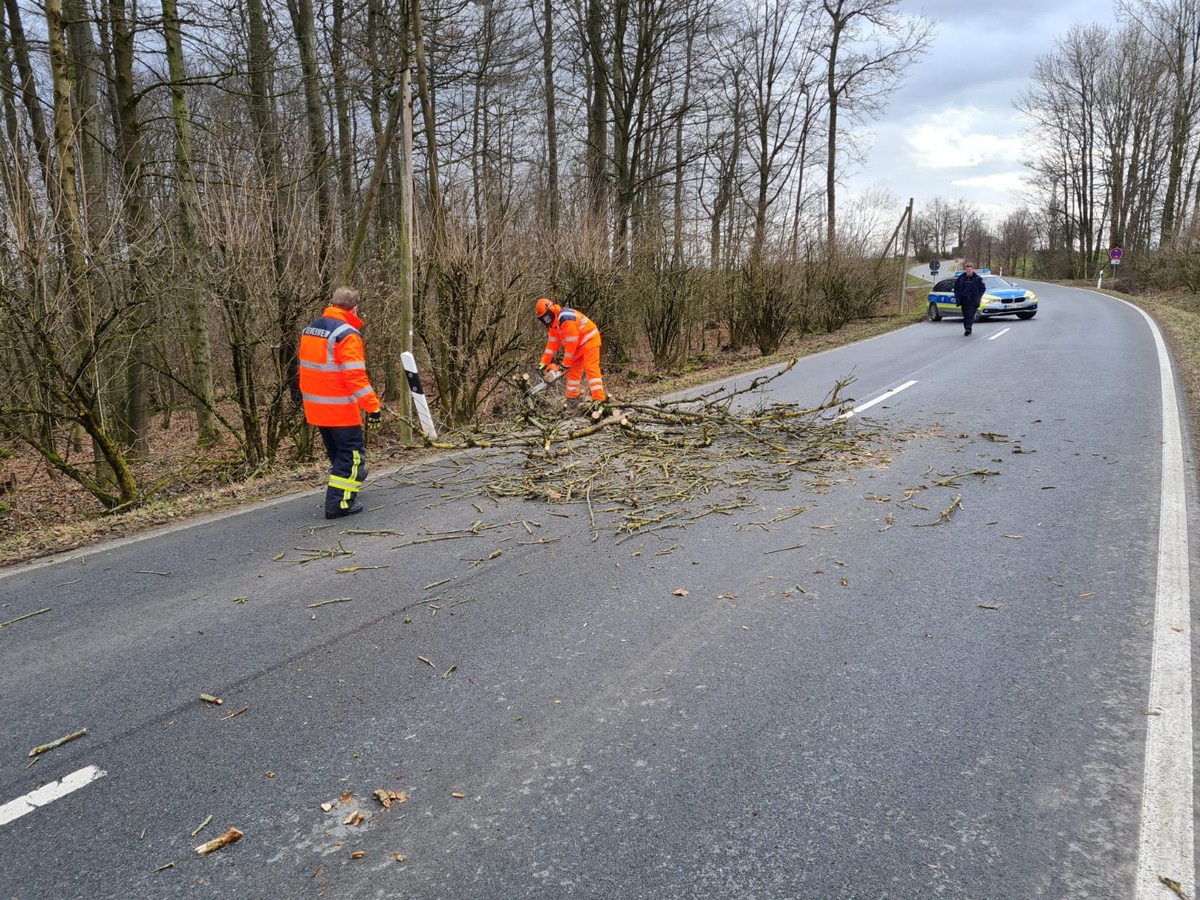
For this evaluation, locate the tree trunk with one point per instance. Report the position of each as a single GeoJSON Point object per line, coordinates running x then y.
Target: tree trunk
{"type": "Point", "coordinates": [194, 312]}
{"type": "Point", "coordinates": [341, 102]}
{"type": "Point", "coordinates": [117, 375]}
{"type": "Point", "coordinates": [304, 29]}
{"type": "Point", "coordinates": [424, 93]}
{"type": "Point", "coordinates": [270, 159]}
{"type": "Point", "coordinates": [16, 169]}
{"type": "Point", "coordinates": [127, 125]}
{"type": "Point", "coordinates": [552, 199]}
{"type": "Point", "coordinates": [83, 393]}
{"type": "Point", "coordinates": [33, 105]}
{"type": "Point", "coordinates": [837, 24]}
{"type": "Point", "coordinates": [677, 194]}
{"type": "Point", "coordinates": [596, 151]}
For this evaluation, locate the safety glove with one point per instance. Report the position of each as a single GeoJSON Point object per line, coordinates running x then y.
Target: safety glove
{"type": "Point", "coordinates": [375, 419]}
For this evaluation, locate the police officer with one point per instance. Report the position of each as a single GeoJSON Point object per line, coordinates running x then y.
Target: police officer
{"type": "Point", "coordinates": [335, 387]}
{"type": "Point", "coordinates": [968, 293]}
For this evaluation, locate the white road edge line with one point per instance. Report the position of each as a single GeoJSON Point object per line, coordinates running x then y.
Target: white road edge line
{"type": "Point", "coordinates": [1165, 843]}
{"type": "Point", "coordinates": [48, 793]}
{"type": "Point", "coordinates": [1003, 331]}
{"type": "Point", "coordinates": [893, 392]}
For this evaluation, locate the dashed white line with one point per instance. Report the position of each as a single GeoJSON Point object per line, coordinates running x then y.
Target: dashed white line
{"type": "Point", "coordinates": [48, 793]}
{"type": "Point", "coordinates": [893, 392]}
{"type": "Point", "coordinates": [1166, 843]}
{"type": "Point", "coordinates": [1000, 333]}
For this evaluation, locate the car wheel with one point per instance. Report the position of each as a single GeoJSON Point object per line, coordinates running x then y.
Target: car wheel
{"type": "Point", "coordinates": [1028, 314]}
{"type": "Point", "coordinates": [935, 314]}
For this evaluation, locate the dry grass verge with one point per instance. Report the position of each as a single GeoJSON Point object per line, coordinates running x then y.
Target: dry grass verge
{"type": "Point", "coordinates": [1178, 315]}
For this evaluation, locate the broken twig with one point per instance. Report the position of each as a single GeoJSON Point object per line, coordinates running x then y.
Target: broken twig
{"type": "Point", "coordinates": [327, 602]}
{"type": "Point", "coordinates": [26, 616]}
{"type": "Point", "coordinates": [224, 840]}
{"type": "Point", "coordinates": [44, 748]}
{"type": "Point", "coordinates": [200, 827]}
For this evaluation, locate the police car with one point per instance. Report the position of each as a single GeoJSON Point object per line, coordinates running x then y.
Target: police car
{"type": "Point", "coordinates": [1003, 298]}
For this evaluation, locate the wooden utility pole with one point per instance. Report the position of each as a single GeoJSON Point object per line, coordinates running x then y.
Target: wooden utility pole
{"type": "Point", "coordinates": [406, 240]}
{"type": "Point", "coordinates": [907, 220]}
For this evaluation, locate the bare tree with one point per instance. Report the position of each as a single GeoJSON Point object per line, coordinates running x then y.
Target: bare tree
{"type": "Point", "coordinates": [1134, 127]}
{"type": "Point", "coordinates": [867, 47]}
{"type": "Point", "coordinates": [935, 227]}
{"type": "Point", "coordinates": [640, 35]}
{"type": "Point", "coordinates": [597, 51]}
{"type": "Point", "coordinates": [722, 161]}
{"type": "Point", "coordinates": [198, 344]}
{"type": "Point", "coordinates": [551, 105]}
{"type": "Point", "coordinates": [135, 205]}
{"type": "Point", "coordinates": [1174, 26]}
{"type": "Point", "coordinates": [777, 65]}
{"type": "Point", "coordinates": [1064, 97]}
{"type": "Point", "coordinates": [1015, 242]}
{"type": "Point", "coordinates": [266, 138]}
{"type": "Point", "coordinates": [303, 26]}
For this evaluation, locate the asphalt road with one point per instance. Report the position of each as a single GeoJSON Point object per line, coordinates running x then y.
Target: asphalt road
{"type": "Point", "coordinates": [927, 683]}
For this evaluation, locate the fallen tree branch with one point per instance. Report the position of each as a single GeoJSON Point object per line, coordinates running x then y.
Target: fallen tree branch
{"type": "Point", "coordinates": [657, 464]}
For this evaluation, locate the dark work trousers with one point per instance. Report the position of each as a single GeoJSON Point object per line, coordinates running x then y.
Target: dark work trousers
{"type": "Point", "coordinates": [968, 311]}
{"type": "Point", "coordinates": [348, 465]}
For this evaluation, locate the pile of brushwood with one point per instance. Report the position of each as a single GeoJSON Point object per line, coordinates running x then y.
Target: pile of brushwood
{"type": "Point", "coordinates": [646, 466]}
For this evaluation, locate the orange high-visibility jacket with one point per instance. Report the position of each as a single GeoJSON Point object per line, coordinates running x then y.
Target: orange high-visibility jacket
{"type": "Point", "coordinates": [571, 329]}
{"type": "Point", "coordinates": [333, 370]}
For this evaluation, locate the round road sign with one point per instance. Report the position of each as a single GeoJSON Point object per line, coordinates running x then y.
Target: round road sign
{"type": "Point", "coordinates": [1116, 253]}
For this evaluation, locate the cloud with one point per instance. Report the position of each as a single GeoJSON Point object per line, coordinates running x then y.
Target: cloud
{"type": "Point", "coordinates": [951, 130]}
{"type": "Point", "coordinates": [999, 181]}
{"type": "Point", "coordinates": [949, 140]}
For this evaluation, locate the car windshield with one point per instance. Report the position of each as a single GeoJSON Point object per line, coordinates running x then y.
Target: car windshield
{"type": "Point", "coordinates": [995, 281]}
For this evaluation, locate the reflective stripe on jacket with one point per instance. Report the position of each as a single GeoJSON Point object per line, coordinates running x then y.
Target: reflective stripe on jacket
{"type": "Point", "coordinates": [571, 330]}
{"type": "Point", "coordinates": [333, 370]}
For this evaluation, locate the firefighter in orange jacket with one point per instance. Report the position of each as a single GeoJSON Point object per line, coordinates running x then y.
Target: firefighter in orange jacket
{"type": "Point", "coordinates": [579, 339]}
{"type": "Point", "coordinates": [334, 385]}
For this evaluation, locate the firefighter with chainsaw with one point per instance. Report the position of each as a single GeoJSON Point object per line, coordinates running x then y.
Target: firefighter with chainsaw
{"type": "Point", "coordinates": [579, 339]}
{"type": "Point", "coordinates": [336, 391]}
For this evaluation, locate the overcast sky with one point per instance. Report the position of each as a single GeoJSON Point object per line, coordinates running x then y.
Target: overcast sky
{"type": "Point", "coordinates": [951, 130]}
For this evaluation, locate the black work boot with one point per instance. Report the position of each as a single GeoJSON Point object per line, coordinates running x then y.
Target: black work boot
{"type": "Point", "coordinates": [353, 508]}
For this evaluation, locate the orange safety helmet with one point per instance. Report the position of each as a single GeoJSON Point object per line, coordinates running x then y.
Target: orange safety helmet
{"type": "Point", "coordinates": [547, 310]}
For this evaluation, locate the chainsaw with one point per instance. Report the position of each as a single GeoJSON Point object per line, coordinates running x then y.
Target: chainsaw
{"type": "Point", "coordinates": [544, 381]}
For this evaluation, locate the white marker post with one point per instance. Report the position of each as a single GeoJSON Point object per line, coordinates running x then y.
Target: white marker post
{"type": "Point", "coordinates": [418, 395]}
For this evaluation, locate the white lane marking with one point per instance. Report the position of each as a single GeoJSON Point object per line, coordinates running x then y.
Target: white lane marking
{"type": "Point", "coordinates": [893, 392]}
{"type": "Point", "coordinates": [999, 333]}
{"type": "Point", "coordinates": [1165, 844]}
{"type": "Point", "coordinates": [48, 793]}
